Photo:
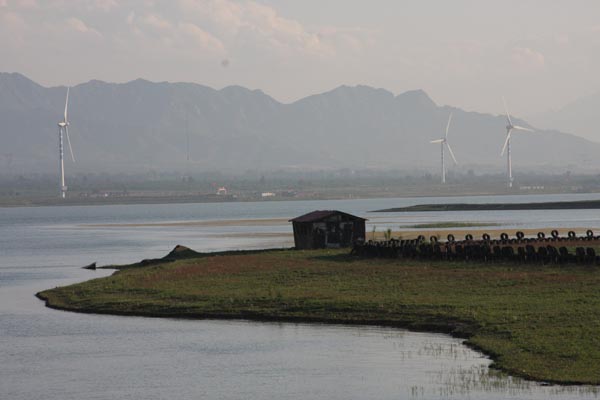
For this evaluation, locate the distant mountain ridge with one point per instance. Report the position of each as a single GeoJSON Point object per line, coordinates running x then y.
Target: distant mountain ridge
{"type": "Point", "coordinates": [140, 125]}
{"type": "Point", "coordinates": [579, 117]}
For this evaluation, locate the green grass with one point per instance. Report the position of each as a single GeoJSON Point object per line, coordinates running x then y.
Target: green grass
{"type": "Point", "coordinates": [539, 322]}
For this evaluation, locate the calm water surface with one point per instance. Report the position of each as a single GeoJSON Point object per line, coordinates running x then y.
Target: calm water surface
{"type": "Point", "coordinates": [49, 354]}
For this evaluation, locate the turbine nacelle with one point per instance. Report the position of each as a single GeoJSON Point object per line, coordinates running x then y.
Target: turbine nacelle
{"type": "Point", "coordinates": [510, 128]}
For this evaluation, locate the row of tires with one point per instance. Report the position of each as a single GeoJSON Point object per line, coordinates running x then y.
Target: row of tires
{"type": "Point", "coordinates": [520, 236]}
{"type": "Point", "coordinates": [483, 252]}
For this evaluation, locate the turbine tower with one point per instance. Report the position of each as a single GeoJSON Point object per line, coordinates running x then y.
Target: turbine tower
{"type": "Point", "coordinates": [63, 128]}
{"type": "Point", "coordinates": [444, 142]}
{"type": "Point", "coordinates": [509, 128]}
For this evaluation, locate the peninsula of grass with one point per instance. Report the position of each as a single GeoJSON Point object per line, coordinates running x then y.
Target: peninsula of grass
{"type": "Point", "coordinates": [557, 205]}
{"type": "Point", "coordinates": [538, 322]}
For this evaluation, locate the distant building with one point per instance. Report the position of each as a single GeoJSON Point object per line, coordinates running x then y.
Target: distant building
{"type": "Point", "coordinates": [531, 187]}
{"type": "Point", "coordinates": [267, 194]}
{"type": "Point", "coordinates": [222, 191]}
{"type": "Point", "coordinates": [326, 229]}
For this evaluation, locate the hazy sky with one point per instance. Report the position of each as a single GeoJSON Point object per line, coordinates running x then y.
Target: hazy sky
{"type": "Point", "coordinates": [540, 54]}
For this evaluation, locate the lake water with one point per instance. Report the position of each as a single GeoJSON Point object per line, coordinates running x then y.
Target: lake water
{"type": "Point", "coordinates": [49, 354]}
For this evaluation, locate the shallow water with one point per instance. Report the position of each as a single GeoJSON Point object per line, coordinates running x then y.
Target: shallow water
{"type": "Point", "coordinates": [52, 354]}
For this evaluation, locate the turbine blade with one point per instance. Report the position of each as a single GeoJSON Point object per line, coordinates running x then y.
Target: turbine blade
{"type": "Point", "coordinates": [66, 104]}
{"type": "Point", "coordinates": [436, 141]}
{"type": "Point", "coordinates": [451, 152]}
{"type": "Point", "coordinates": [69, 142]}
{"type": "Point", "coordinates": [448, 125]}
{"type": "Point", "coordinates": [506, 109]}
{"type": "Point", "coordinates": [521, 128]}
{"type": "Point", "coordinates": [506, 142]}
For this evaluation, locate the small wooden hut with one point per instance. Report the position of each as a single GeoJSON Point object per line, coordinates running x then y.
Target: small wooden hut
{"type": "Point", "coordinates": [326, 229]}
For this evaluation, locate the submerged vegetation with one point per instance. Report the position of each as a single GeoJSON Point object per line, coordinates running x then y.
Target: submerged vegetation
{"type": "Point", "coordinates": [449, 224]}
{"type": "Point", "coordinates": [538, 322]}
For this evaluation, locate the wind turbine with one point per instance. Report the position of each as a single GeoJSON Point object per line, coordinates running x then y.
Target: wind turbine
{"type": "Point", "coordinates": [444, 142]}
{"type": "Point", "coordinates": [509, 128]}
{"type": "Point", "coordinates": [63, 128]}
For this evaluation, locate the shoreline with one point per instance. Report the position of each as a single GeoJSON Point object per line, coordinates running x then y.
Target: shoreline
{"type": "Point", "coordinates": [448, 329]}
{"type": "Point", "coordinates": [550, 205]}
{"type": "Point", "coordinates": [81, 298]}
{"type": "Point", "coordinates": [203, 199]}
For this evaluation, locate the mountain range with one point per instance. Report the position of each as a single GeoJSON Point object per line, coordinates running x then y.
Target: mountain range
{"type": "Point", "coordinates": [140, 126]}
{"type": "Point", "coordinates": [579, 117]}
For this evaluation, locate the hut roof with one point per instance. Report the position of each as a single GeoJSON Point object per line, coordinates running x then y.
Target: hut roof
{"type": "Point", "coordinates": [319, 215]}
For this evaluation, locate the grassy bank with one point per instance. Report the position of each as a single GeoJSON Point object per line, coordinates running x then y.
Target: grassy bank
{"type": "Point", "coordinates": [538, 322]}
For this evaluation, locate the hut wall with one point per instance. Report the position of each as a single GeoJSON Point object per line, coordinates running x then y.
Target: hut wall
{"type": "Point", "coordinates": [332, 232]}
{"type": "Point", "coordinates": [303, 235]}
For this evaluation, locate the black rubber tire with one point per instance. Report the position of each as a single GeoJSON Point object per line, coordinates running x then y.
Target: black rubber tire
{"type": "Point", "coordinates": [520, 235]}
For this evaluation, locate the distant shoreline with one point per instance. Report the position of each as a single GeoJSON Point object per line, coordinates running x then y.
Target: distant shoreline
{"type": "Point", "coordinates": [106, 201]}
{"type": "Point", "coordinates": [556, 205]}
{"type": "Point", "coordinates": [190, 199]}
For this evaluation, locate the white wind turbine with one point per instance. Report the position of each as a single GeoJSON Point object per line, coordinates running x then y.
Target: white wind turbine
{"type": "Point", "coordinates": [444, 142]}
{"type": "Point", "coordinates": [509, 128]}
{"type": "Point", "coordinates": [63, 127]}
